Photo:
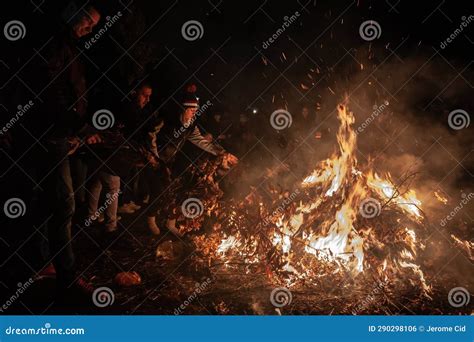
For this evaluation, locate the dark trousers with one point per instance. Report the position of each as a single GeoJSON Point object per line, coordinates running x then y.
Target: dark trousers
{"type": "Point", "coordinates": [131, 186]}
{"type": "Point", "coordinates": [57, 203]}
{"type": "Point", "coordinates": [79, 176]}
{"type": "Point", "coordinates": [157, 181]}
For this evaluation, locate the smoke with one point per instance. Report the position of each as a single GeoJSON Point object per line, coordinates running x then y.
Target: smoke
{"type": "Point", "coordinates": [412, 130]}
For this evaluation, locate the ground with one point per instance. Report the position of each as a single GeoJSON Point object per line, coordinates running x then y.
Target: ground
{"type": "Point", "coordinates": [184, 284]}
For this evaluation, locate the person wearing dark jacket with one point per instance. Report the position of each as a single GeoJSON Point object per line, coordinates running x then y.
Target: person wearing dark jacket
{"type": "Point", "coordinates": [58, 122]}
{"type": "Point", "coordinates": [127, 143]}
{"type": "Point", "coordinates": [141, 124]}
{"type": "Point", "coordinates": [182, 128]}
{"type": "Point", "coordinates": [179, 129]}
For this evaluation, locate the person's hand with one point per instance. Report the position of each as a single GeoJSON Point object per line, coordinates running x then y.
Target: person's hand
{"type": "Point", "coordinates": [93, 139]}
{"type": "Point", "coordinates": [167, 173]}
{"type": "Point", "coordinates": [227, 160]}
{"type": "Point", "coordinates": [153, 161]}
{"type": "Point", "coordinates": [74, 144]}
{"type": "Point", "coordinates": [208, 137]}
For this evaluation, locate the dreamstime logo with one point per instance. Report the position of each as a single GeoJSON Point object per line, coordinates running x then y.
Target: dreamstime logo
{"type": "Point", "coordinates": [21, 110]}
{"type": "Point", "coordinates": [46, 330]}
{"type": "Point", "coordinates": [371, 297]}
{"type": "Point", "coordinates": [110, 21]}
{"type": "Point", "coordinates": [281, 119]}
{"type": "Point", "coordinates": [103, 119]}
{"type": "Point", "coordinates": [280, 209]}
{"type": "Point", "coordinates": [286, 24]}
{"type": "Point", "coordinates": [459, 296]}
{"type": "Point", "coordinates": [14, 208]}
{"type": "Point", "coordinates": [370, 208]}
{"type": "Point", "coordinates": [192, 208]}
{"type": "Point", "coordinates": [377, 110]}
{"type": "Point", "coordinates": [458, 119]}
{"type": "Point", "coordinates": [199, 288]}
{"type": "Point", "coordinates": [110, 198]}
{"type": "Point", "coordinates": [14, 30]}
{"type": "Point", "coordinates": [465, 200]}
{"type": "Point", "coordinates": [192, 30]}
{"type": "Point", "coordinates": [465, 22]}
{"type": "Point", "coordinates": [21, 288]}
{"type": "Point", "coordinates": [102, 297]}
{"type": "Point", "coordinates": [281, 297]}
{"type": "Point", "coordinates": [370, 30]}
{"type": "Point", "coordinates": [177, 132]}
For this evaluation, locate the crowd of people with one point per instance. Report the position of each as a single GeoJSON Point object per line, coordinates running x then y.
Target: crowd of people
{"type": "Point", "coordinates": [82, 163]}
{"type": "Point", "coordinates": [107, 169]}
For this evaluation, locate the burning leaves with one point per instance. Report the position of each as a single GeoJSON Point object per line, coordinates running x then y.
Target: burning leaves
{"type": "Point", "coordinates": [466, 246]}
{"type": "Point", "coordinates": [323, 235]}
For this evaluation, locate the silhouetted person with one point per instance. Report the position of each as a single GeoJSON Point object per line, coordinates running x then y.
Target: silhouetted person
{"type": "Point", "coordinates": [61, 117]}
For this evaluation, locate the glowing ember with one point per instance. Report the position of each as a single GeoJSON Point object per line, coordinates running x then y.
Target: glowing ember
{"type": "Point", "coordinates": [228, 243]}
{"type": "Point", "coordinates": [440, 197]}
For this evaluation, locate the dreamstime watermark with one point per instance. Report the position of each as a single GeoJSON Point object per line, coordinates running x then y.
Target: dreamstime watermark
{"type": "Point", "coordinates": [459, 296]}
{"type": "Point", "coordinates": [103, 119]}
{"type": "Point", "coordinates": [281, 297]}
{"type": "Point", "coordinates": [281, 208]}
{"type": "Point", "coordinates": [177, 132]}
{"type": "Point", "coordinates": [192, 30]}
{"type": "Point", "coordinates": [192, 208]}
{"type": "Point", "coordinates": [46, 330]}
{"type": "Point", "coordinates": [370, 30]}
{"type": "Point", "coordinates": [103, 296]}
{"type": "Point", "coordinates": [109, 199]}
{"type": "Point", "coordinates": [281, 119]}
{"type": "Point", "coordinates": [21, 110]}
{"type": "Point", "coordinates": [14, 208]}
{"type": "Point", "coordinates": [465, 200]}
{"type": "Point", "coordinates": [377, 110]}
{"type": "Point", "coordinates": [370, 298]}
{"type": "Point", "coordinates": [110, 21]}
{"type": "Point", "coordinates": [465, 22]}
{"type": "Point", "coordinates": [370, 208]}
{"type": "Point", "coordinates": [286, 24]}
{"type": "Point", "coordinates": [14, 30]}
{"type": "Point", "coordinates": [459, 119]}
{"type": "Point", "coordinates": [21, 288]}
{"type": "Point", "coordinates": [199, 288]}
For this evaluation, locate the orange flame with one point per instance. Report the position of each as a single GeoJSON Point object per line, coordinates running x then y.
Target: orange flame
{"type": "Point", "coordinates": [334, 239]}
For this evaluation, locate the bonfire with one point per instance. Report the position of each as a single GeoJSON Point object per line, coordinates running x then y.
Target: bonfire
{"type": "Point", "coordinates": [344, 224]}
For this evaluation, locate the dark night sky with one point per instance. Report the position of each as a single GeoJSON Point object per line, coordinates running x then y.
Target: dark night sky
{"type": "Point", "coordinates": [404, 65]}
{"type": "Point", "coordinates": [238, 28]}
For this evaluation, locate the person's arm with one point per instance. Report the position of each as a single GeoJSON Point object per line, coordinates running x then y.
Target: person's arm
{"type": "Point", "coordinates": [151, 135]}
{"type": "Point", "coordinates": [200, 141]}
{"type": "Point", "coordinates": [148, 141]}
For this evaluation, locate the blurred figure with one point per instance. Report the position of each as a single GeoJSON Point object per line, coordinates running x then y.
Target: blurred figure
{"type": "Point", "coordinates": [306, 124]}
{"type": "Point", "coordinates": [58, 122]}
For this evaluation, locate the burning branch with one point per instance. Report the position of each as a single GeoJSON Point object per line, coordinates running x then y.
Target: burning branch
{"type": "Point", "coordinates": [327, 234]}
